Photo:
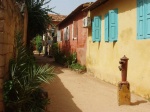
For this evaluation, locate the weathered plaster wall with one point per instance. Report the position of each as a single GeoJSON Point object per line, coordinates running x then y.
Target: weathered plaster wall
{"type": "Point", "coordinates": [103, 57]}
{"type": "Point", "coordinates": [11, 21]}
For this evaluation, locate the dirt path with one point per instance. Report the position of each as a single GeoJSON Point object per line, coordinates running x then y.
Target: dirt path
{"type": "Point", "coordinates": [73, 92]}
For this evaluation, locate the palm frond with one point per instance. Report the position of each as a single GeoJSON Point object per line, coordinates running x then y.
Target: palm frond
{"type": "Point", "coordinates": [20, 91]}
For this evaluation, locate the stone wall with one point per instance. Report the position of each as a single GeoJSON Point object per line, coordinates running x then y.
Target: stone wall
{"type": "Point", "coordinates": [11, 21]}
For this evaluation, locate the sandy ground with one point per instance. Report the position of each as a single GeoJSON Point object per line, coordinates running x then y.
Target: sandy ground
{"type": "Point", "coordinates": [73, 92]}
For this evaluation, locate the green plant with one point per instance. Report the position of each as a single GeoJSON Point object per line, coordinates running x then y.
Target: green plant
{"type": "Point", "coordinates": [22, 90]}
{"type": "Point", "coordinates": [72, 62]}
{"type": "Point", "coordinates": [59, 56]}
{"type": "Point", "coordinates": [38, 18]}
{"type": "Point", "coordinates": [37, 41]}
{"type": "Point", "coordinates": [71, 59]}
{"type": "Point", "coordinates": [77, 66]}
{"type": "Point", "coordinates": [55, 48]}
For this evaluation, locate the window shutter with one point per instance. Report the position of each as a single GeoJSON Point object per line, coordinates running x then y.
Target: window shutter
{"type": "Point", "coordinates": [106, 28]}
{"type": "Point", "coordinates": [64, 33]}
{"type": "Point", "coordinates": [147, 18]}
{"type": "Point", "coordinates": [97, 25]}
{"type": "Point", "coordinates": [75, 29]}
{"type": "Point", "coordinates": [93, 30]}
{"type": "Point", "coordinates": [58, 36]}
{"type": "Point", "coordinates": [67, 33]}
{"type": "Point", "coordinates": [140, 19]}
{"type": "Point", "coordinates": [113, 25]}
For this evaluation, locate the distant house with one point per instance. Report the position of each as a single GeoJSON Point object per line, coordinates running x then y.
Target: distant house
{"type": "Point", "coordinates": [72, 33]}
{"type": "Point", "coordinates": [56, 19]}
{"type": "Point", "coordinates": [120, 27]}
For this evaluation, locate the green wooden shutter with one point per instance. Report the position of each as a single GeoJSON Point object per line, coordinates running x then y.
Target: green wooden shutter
{"type": "Point", "coordinates": [93, 30]}
{"type": "Point", "coordinates": [97, 25]}
{"type": "Point", "coordinates": [106, 28]}
{"type": "Point", "coordinates": [113, 25]}
{"type": "Point", "coordinates": [147, 18]}
{"type": "Point", "coordinates": [140, 19]}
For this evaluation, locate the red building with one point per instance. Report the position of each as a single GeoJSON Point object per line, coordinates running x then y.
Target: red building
{"type": "Point", "coordinates": [73, 32]}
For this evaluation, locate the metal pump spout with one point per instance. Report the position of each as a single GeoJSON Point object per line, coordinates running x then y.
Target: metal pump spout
{"type": "Point", "coordinates": [121, 66]}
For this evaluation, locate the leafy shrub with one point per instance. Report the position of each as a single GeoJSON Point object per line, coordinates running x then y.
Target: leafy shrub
{"type": "Point", "coordinates": [71, 59]}
{"type": "Point", "coordinates": [22, 91]}
{"type": "Point", "coordinates": [72, 63]}
{"type": "Point", "coordinates": [37, 41]}
{"type": "Point", "coordinates": [55, 48]}
{"type": "Point", "coordinates": [59, 56]}
{"type": "Point", "coordinates": [77, 66]}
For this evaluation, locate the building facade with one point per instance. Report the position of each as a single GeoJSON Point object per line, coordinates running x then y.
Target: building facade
{"type": "Point", "coordinates": [120, 27]}
{"type": "Point", "coordinates": [72, 34]}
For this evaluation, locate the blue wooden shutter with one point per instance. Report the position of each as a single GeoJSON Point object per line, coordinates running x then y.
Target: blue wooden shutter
{"type": "Point", "coordinates": [147, 18]}
{"type": "Point", "coordinates": [93, 30]}
{"type": "Point", "coordinates": [140, 19]}
{"type": "Point", "coordinates": [113, 25]}
{"type": "Point", "coordinates": [97, 28]}
{"type": "Point", "coordinates": [106, 28]}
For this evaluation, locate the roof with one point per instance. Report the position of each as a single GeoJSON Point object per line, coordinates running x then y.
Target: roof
{"type": "Point", "coordinates": [95, 5]}
{"type": "Point", "coordinates": [79, 8]}
{"type": "Point", "coordinates": [57, 17]}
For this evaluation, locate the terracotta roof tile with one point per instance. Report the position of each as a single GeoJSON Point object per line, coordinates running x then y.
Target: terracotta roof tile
{"type": "Point", "coordinates": [75, 11]}
{"type": "Point", "coordinates": [57, 17]}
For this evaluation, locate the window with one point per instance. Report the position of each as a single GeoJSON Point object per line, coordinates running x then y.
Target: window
{"type": "Point", "coordinates": [143, 19]}
{"type": "Point", "coordinates": [75, 30]}
{"type": "Point", "coordinates": [58, 36]}
{"type": "Point", "coordinates": [111, 26]}
{"type": "Point", "coordinates": [66, 33]}
{"type": "Point", "coordinates": [96, 29]}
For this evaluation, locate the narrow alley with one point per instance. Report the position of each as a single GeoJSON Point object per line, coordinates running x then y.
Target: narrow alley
{"type": "Point", "coordinates": [74, 92]}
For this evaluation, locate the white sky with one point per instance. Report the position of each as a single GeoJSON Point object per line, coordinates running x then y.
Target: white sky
{"type": "Point", "coordinates": [65, 7]}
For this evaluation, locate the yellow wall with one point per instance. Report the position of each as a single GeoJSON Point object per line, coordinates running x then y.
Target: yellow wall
{"type": "Point", "coordinates": [103, 57]}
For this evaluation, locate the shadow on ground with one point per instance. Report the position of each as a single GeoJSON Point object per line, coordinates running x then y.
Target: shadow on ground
{"type": "Point", "coordinates": [61, 99]}
{"type": "Point", "coordinates": [138, 102]}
